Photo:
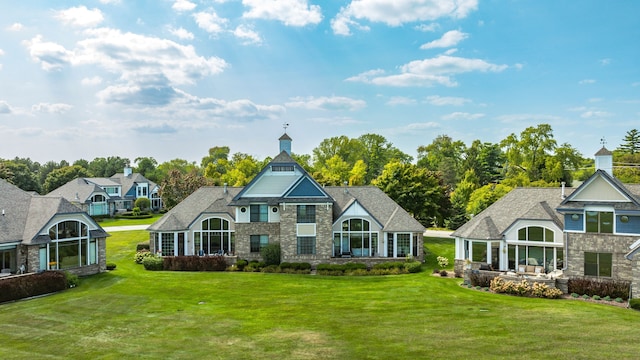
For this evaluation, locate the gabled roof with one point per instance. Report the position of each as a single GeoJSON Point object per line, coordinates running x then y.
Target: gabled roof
{"type": "Point", "coordinates": [129, 181]}
{"type": "Point", "coordinates": [519, 204]}
{"type": "Point", "coordinates": [378, 204]}
{"type": "Point", "coordinates": [207, 199]}
{"type": "Point", "coordinates": [78, 190]}
{"type": "Point", "coordinates": [629, 193]}
{"type": "Point", "coordinates": [297, 186]}
{"type": "Point", "coordinates": [26, 214]}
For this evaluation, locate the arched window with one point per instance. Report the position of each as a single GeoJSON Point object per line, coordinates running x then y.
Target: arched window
{"type": "Point", "coordinates": [536, 246]}
{"type": "Point", "coordinates": [70, 246]}
{"type": "Point", "coordinates": [215, 237]}
{"type": "Point", "coordinates": [356, 239]}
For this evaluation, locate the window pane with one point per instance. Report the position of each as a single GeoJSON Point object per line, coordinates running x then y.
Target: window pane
{"type": "Point", "coordinates": [535, 233]}
{"type": "Point", "coordinates": [605, 264]}
{"type": "Point", "coordinates": [591, 263]}
{"type": "Point", "coordinates": [535, 257]}
{"type": "Point", "coordinates": [606, 222]}
{"type": "Point", "coordinates": [548, 235]}
{"type": "Point", "coordinates": [306, 214]}
{"type": "Point", "coordinates": [559, 258]}
{"type": "Point", "coordinates": [522, 234]}
{"type": "Point", "coordinates": [479, 251]}
{"type": "Point", "coordinates": [306, 245]}
{"type": "Point", "coordinates": [592, 221]}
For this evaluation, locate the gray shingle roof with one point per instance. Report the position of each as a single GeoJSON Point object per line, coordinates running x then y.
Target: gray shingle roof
{"type": "Point", "coordinates": [78, 190]}
{"type": "Point", "coordinates": [26, 214]}
{"type": "Point", "coordinates": [386, 211]}
{"type": "Point", "coordinates": [518, 204]}
{"type": "Point", "coordinates": [207, 199]}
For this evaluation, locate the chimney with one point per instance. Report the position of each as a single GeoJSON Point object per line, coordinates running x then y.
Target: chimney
{"type": "Point", "coordinates": [563, 193]}
{"type": "Point", "coordinates": [346, 189]}
{"type": "Point", "coordinates": [127, 171]}
{"type": "Point", "coordinates": [604, 161]}
{"type": "Point", "coordinates": [225, 188]}
{"type": "Point", "coordinates": [285, 143]}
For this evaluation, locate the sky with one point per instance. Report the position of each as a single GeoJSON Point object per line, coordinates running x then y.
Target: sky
{"type": "Point", "coordinates": [170, 79]}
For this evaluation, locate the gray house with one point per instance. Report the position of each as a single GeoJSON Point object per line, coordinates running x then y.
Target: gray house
{"type": "Point", "coordinates": [47, 233]}
{"type": "Point", "coordinates": [106, 196]}
{"type": "Point", "coordinates": [592, 231]}
{"type": "Point", "coordinates": [284, 204]}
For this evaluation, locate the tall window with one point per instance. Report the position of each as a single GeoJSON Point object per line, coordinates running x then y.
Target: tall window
{"type": "Point", "coordinates": [357, 238]}
{"type": "Point", "coordinates": [306, 245]}
{"type": "Point", "coordinates": [598, 264]}
{"type": "Point", "coordinates": [167, 244]}
{"type": "Point", "coordinates": [599, 222]}
{"type": "Point", "coordinates": [306, 214]}
{"type": "Point", "coordinates": [259, 213]}
{"type": "Point", "coordinates": [70, 246]}
{"type": "Point", "coordinates": [257, 242]}
{"type": "Point", "coordinates": [215, 237]}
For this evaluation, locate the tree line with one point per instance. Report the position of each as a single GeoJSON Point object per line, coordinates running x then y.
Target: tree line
{"type": "Point", "coordinates": [447, 183]}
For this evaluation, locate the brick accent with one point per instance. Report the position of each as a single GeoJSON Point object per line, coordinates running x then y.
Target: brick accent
{"type": "Point", "coordinates": [617, 245]}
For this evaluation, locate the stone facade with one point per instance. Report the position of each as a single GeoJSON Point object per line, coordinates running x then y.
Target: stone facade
{"type": "Point", "coordinates": [32, 254]}
{"type": "Point", "coordinates": [617, 245]}
{"type": "Point", "coordinates": [243, 237]}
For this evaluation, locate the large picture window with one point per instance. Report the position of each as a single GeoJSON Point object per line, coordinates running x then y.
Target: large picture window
{"type": "Point", "coordinates": [599, 222]}
{"type": "Point", "coordinates": [535, 233]}
{"type": "Point", "coordinates": [598, 264]}
{"type": "Point", "coordinates": [306, 245]}
{"type": "Point", "coordinates": [216, 237]}
{"type": "Point", "coordinates": [356, 239]}
{"type": "Point", "coordinates": [70, 246]}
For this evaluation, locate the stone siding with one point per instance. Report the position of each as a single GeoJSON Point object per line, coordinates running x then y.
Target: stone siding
{"type": "Point", "coordinates": [33, 260]}
{"type": "Point", "coordinates": [324, 235]}
{"type": "Point", "coordinates": [243, 237]}
{"type": "Point", "coordinates": [635, 284]}
{"type": "Point", "coordinates": [617, 245]}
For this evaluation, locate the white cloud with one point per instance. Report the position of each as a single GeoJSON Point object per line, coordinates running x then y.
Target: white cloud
{"type": "Point", "coordinates": [210, 21]}
{"type": "Point", "coordinates": [604, 62]}
{"type": "Point", "coordinates": [289, 12]}
{"type": "Point", "coordinates": [400, 100]}
{"type": "Point", "coordinates": [428, 28]}
{"type": "Point", "coordinates": [528, 118]}
{"type": "Point", "coordinates": [446, 100]}
{"type": "Point", "coordinates": [462, 116]}
{"type": "Point", "coordinates": [80, 16]}
{"type": "Point", "coordinates": [5, 108]}
{"type": "Point", "coordinates": [399, 12]}
{"type": "Point", "coordinates": [449, 39]}
{"type": "Point", "coordinates": [110, 2]}
{"type": "Point", "coordinates": [327, 103]}
{"type": "Point", "coordinates": [49, 108]}
{"type": "Point", "coordinates": [96, 80]}
{"type": "Point", "coordinates": [595, 114]}
{"type": "Point", "coordinates": [181, 33]}
{"type": "Point", "coordinates": [429, 72]}
{"type": "Point", "coordinates": [50, 55]}
{"type": "Point", "coordinates": [1, 52]}
{"type": "Point", "coordinates": [183, 5]}
{"type": "Point", "coordinates": [15, 27]}
{"type": "Point", "coordinates": [247, 34]}
{"type": "Point", "coordinates": [586, 81]}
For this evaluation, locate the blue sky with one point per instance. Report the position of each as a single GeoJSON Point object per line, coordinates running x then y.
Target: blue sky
{"type": "Point", "coordinates": [170, 79]}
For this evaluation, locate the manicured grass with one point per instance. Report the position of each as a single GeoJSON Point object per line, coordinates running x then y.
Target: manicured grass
{"type": "Point", "coordinates": [125, 222]}
{"type": "Point", "coordinates": [133, 313]}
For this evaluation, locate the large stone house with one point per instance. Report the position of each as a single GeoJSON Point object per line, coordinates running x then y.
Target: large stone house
{"type": "Point", "coordinates": [47, 233]}
{"type": "Point", "coordinates": [591, 231]}
{"type": "Point", "coordinates": [106, 196]}
{"type": "Point", "coordinates": [284, 204]}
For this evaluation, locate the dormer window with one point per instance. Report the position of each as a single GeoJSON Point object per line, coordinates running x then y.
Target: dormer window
{"type": "Point", "coordinates": [282, 168]}
{"type": "Point", "coordinates": [599, 222]}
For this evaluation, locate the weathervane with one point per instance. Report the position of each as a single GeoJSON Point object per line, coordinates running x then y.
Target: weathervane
{"type": "Point", "coordinates": [603, 141]}
{"type": "Point", "coordinates": [285, 126]}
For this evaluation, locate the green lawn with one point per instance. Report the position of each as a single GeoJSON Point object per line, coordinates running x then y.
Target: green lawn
{"type": "Point", "coordinates": [125, 222]}
{"type": "Point", "coordinates": [133, 313]}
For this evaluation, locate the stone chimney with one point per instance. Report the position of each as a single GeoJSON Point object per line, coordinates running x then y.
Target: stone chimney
{"type": "Point", "coordinates": [285, 143]}
{"type": "Point", "coordinates": [604, 161]}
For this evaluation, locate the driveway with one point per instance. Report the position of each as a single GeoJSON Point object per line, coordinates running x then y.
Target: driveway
{"type": "Point", "coordinates": [125, 228]}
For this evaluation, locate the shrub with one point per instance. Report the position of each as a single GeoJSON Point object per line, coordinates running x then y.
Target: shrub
{"type": "Point", "coordinates": [574, 295]}
{"type": "Point", "coordinates": [444, 273]}
{"type": "Point", "coordinates": [415, 267]}
{"type": "Point", "coordinates": [142, 203]}
{"type": "Point", "coordinates": [141, 255]}
{"type": "Point", "coordinates": [595, 297]}
{"type": "Point", "coordinates": [618, 300]}
{"type": "Point", "coordinates": [442, 261]}
{"type": "Point", "coordinates": [634, 304]}
{"type": "Point", "coordinates": [72, 279]}
{"type": "Point", "coordinates": [111, 266]}
{"type": "Point", "coordinates": [270, 269]}
{"type": "Point", "coordinates": [271, 254]}
{"type": "Point", "coordinates": [585, 296]}
{"type": "Point", "coordinates": [143, 246]}
{"type": "Point", "coordinates": [481, 279]}
{"type": "Point", "coordinates": [195, 263]}
{"type": "Point", "coordinates": [389, 265]}
{"type": "Point", "coordinates": [240, 264]}
{"type": "Point", "coordinates": [153, 263]}
{"type": "Point", "coordinates": [611, 288]}
{"type": "Point", "coordinates": [21, 287]}
{"type": "Point", "coordinates": [606, 298]}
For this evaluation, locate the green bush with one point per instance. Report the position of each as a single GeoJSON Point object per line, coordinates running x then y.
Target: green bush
{"type": "Point", "coordinates": [143, 246]}
{"type": "Point", "coordinates": [271, 254]}
{"type": "Point", "coordinates": [240, 264]}
{"type": "Point", "coordinates": [111, 266]}
{"type": "Point", "coordinates": [415, 267]}
{"type": "Point", "coordinates": [153, 263]}
{"type": "Point", "coordinates": [141, 255]}
{"type": "Point", "coordinates": [634, 304]}
{"type": "Point", "coordinates": [72, 279]}
{"type": "Point", "coordinates": [142, 203]}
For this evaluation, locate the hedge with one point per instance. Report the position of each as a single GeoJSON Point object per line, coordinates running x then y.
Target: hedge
{"type": "Point", "coordinates": [20, 287]}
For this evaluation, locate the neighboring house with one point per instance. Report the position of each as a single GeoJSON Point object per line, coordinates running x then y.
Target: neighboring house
{"type": "Point", "coordinates": [592, 231]}
{"type": "Point", "coordinates": [106, 196]}
{"type": "Point", "coordinates": [284, 204]}
{"type": "Point", "coordinates": [47, 233]}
